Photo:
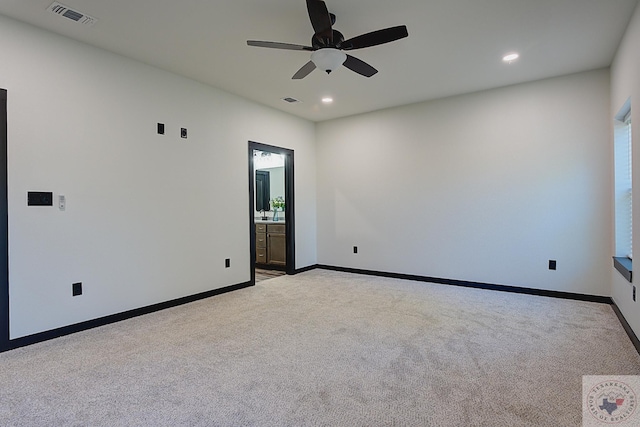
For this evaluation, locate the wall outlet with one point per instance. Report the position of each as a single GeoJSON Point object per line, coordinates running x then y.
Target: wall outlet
{"type": "Point", "coordinates": [634, 293]}
{"type": "Point", "coordinates": [227, 263]}
{"type": "Point", "coordinates": [76, 289]}
{"type": "Point", "coordinates": [183, 132]}
{"type": "Point", "coordinates": [355, 249]}
{"type": "Point", "coordinates": [160, 128]}
{"type": "Point", "coordinates": [552, 264]}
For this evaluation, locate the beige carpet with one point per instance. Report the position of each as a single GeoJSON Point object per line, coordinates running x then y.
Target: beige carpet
{"type": "Point", "coordinates": [325, 349]}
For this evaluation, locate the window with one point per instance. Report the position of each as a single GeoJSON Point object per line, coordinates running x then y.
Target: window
{"type": "Point", "coordinates": [623, 188]}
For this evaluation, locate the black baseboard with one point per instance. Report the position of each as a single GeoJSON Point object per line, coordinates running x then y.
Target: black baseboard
{"type": "Point", "coordinates": [307, 268]}
{"type": "Point", "coordinates": [632, 336]}
{"type": "Point", "coordinates": [102, 321]}
{"type": "Point", "coordinates": [478, 285]}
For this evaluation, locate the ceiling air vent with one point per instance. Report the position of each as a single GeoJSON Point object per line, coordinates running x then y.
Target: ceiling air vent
{"type": "Point", "coordinates": [291, 100]}
{"type": "Point", "coordinates": [74, 15]}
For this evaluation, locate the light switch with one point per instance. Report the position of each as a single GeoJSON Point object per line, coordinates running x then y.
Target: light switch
{"type": "Point", "coordinates": [62, 202]}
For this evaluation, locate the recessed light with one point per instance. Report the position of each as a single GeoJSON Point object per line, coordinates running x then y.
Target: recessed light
{"type": "Point", "coordinates": [327, 100]}
{"type": "Point", "coordinates": [510, 57]}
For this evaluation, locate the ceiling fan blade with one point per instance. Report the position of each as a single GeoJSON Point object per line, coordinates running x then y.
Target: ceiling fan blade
{"type": "Point", "coordinates": [278, 45]}
{"type": "Point", "coordinates": [304, 71]}
{"type": "Point", "coordinates": [320, 20]}
{"type": "Point", "coordinates": [359, 66]}
{"type": "Point", "coordinates": [375, 38]}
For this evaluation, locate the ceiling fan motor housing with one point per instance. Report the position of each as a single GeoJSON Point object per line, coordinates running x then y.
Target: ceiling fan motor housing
{"type": "Point", "coordinates": [319, 43]}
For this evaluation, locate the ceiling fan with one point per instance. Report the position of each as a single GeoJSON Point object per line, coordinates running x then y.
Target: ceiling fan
{"type": "Point", "coordinates": [328, 44]}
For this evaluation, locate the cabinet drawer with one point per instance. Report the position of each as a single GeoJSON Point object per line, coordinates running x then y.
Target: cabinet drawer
{"type": "Point", "coordinates": [261, 228]}
{"type": "Point", "coordinates": [261, 255]}
{"type": "Point", "coordinates": [276, 228]}
{"type": "Point", "coordinates": [261, 240]}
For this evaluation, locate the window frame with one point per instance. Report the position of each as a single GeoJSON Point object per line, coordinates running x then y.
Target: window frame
{"type": "Point", "coordinates": [623, 192]}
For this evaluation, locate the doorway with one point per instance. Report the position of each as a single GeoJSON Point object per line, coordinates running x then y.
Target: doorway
{"type": "Point", "coordinates": [271, 239]}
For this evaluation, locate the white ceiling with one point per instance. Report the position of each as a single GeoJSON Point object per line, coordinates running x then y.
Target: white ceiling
{"type": "Point", "coordinates": [454, 46]}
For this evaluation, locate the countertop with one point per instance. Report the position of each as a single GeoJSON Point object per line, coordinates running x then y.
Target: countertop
{"type": "Point", "coordinates": [268, 221]}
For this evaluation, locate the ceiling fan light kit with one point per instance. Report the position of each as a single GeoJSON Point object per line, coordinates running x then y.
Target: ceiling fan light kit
{"type": "Point", "coordinates": [328, 44]}
{"type": "Point", "coordinates": [328, 59]}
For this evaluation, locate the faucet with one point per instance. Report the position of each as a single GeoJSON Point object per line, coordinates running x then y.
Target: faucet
{"type": "Point", "coordinates": [264, 215]}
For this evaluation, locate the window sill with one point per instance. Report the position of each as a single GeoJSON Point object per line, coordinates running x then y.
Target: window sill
{"type": "Point", "coordinates": [624, 266]}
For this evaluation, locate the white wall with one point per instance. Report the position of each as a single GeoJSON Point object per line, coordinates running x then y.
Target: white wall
{"type": "Point", "coordinates": [625, 84]}
{"type": "Point", "coordinates": [483, 187]}
{"type": "Point", "coordinates": [149, 218]}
